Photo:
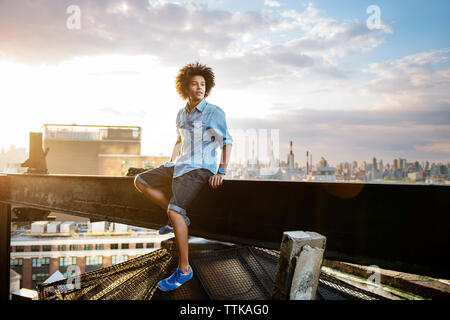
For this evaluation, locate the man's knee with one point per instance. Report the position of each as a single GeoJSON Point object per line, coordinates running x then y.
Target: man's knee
{"type": "Point", "coordinates": [138, 184]}
{"type": "Point", "coordinates": [172, 213]}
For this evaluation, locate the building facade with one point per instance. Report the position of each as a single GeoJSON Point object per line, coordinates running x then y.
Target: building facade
{"type": "Point", "coordinates": [95, 150]}
{"type": "Point", "coordinates": [35, 256]}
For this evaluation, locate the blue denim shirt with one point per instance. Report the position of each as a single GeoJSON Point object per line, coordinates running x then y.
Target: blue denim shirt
{"type": "Point", "coordinates": [203, 131]}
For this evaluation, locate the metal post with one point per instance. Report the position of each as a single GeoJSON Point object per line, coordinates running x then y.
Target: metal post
{"type": "Point", "coordinates": [5, 247]}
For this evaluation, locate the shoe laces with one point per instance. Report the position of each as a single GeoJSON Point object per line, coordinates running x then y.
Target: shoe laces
{"type": "Point", "coordinates": [180, 273]}
{"type": "Point", "coordinates": [176, 275]}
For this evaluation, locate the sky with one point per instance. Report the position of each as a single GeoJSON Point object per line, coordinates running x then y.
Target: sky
{"type": "Point", "coordinates": [341, 80]}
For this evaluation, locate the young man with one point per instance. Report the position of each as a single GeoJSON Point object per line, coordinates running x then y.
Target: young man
{"type": "Point", "coordinates": [201, 129]}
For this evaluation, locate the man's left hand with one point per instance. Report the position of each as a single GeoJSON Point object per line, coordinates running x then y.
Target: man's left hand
{"type": "Point", "coordinates": [216, 180]}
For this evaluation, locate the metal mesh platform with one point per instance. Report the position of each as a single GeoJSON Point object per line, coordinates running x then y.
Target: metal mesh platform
{"type": "Point", "coordinates": [331, 288]}
{"type": "Point", "coordinates": [135, 279]}
{"type": "Point", "coordinates": [236, 273]}
{"type": "Point", "coordinates": [233, 274]}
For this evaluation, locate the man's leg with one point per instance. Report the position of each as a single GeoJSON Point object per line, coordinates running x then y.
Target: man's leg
{"type": "Point", "coordinates": [178, 223]}
{"type": "Point", "coordinates": [159, 197]}
{"type": "Point", "coordinates": [181, 238]}
{"type": "Point", "coordinates": [154, 194]}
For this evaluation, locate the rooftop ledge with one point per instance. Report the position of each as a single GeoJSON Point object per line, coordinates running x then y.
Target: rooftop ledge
{"type": "Point", "coordinates": [400, 227]}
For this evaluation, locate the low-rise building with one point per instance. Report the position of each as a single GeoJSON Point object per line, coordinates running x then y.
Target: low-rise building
{"type": "Point", "coordinates": [40, 251]}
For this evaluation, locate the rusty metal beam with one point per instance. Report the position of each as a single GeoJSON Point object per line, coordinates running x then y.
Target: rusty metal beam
{"type": "Point", "coordinates": [397, 227]}
{"type": "Point", "coordinates": [5, 245]}
{"type": "Point", "coordinates": [97, 197]}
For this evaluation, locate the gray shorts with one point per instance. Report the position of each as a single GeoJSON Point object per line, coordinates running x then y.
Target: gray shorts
{"type": "Point", "coordinates": [181, 190]}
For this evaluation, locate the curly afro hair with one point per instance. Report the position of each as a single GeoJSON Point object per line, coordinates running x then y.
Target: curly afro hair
{"type": "Point", "coordinates": [187, 72]}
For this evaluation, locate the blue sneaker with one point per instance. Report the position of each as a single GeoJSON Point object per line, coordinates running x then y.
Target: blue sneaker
{"type": "Point", "coordinates": [175, 280]}
{"type": "Point", "coordinates": [165, 229]}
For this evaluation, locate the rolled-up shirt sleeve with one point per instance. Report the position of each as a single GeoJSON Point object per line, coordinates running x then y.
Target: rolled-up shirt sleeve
{"type": "Point", "coordinates": [219, 123]}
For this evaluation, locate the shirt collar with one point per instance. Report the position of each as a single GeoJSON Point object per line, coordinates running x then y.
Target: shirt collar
{"type": "Point", "coordinates": [200, 107]}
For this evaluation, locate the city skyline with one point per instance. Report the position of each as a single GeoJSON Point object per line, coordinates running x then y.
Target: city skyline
{"type": "Point", "coordinates": [311, 69]}
{"type": "Point", "coordinates": [20, 154]}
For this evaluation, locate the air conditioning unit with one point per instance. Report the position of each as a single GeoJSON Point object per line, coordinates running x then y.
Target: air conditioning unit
{"type": "Point", "coordinates": [119, 227]}
{"type": "Point", "coordinates": [67, 226]}
{"type": "Point", "coordinates": [99, 226]}
{"type": "Point", "coordinates": [38, 226]}
{"type": "Point", "coordinates": [53, 227]}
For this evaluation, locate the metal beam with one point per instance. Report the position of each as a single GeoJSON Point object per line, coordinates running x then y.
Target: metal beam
{"type": "Point", "coordinates": [5, 245]}
{"type": "Point", "coordinates": [400, 227]}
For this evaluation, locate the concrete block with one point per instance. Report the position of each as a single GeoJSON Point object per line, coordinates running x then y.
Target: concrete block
{"type": "Point", "coordinates": [306, 274]}
{"type": "Point", "coordinates": [291, 246]}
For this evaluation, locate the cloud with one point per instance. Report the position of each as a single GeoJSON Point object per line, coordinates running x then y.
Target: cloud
{"type": "Point", "coordinates": [435, 148]}
{"type": "Point", "coordinates": [163, 29]}
{"type": "Point", "coordinates": [119, 112]}
{"type": "Point", "coordinates": [177, 33]}
{"type": "Point", "coordinates": [414, 82]}
{"type": "Point", "coordinates": [271, 3]}
{"type": "Point", "coordinates": [358, 135]}
{"type": "Point", "coordinates": [329, 37]}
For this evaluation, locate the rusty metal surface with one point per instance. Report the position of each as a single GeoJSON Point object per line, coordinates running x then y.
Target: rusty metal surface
{"type": "Point", "coordinates": [99, 197]}
{"type": "Point", "coordinates": [397, 227]}
{"type": "Point", "coordinates": [5, 240]}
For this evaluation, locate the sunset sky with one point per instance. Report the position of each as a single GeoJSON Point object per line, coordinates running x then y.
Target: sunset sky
{"type": "Point", "coordinates": [312, 69]}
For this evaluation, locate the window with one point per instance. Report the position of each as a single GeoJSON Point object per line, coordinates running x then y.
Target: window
{"type": "Point", "coordinates": [99, 246]}
{"type": "Point", "coordinates": [88, 247]}
{"type": "Point", "coordinates": [93, 263]}
{"type": "Point", "coordinates": [73, 247]}
{"type": "Point", "coordinates": [62, 247]}
{"type": "Point", "coordinates": [20, 248]}
{"type": "Point", "coordinates": [16, 262]}
{"type": "Point", "coordinates": [46, 248]}
{"type": "Point", "coordinates": [125, 246]}
{"type": "Point", "coordinates": [97, 260]}
{"type": "Point", "coordinates": [114, 246]}
{"type": "Point", "coordinates": [139, 245]}
{"type": "Point", "coordinates": [67, 261]}
{"type": "Point", "coordinates": [38, 278]}
{"type": "Point", "coordinates": [35, 248]}
{"type": "Point", "coordinates": [16, 265]}
{"type": "Point", "coordinates": [118, 259]}
{"type": "Point", "coordinates": [40, 270]}
{"type": "Point", "coordinates": [64, 263]}
{"type": "Point", "coordinates": [39, 262]}
{"type": "Point", "coordinates": [126, 164]}
{"type": "Point", "coordinates": [148, 164]}
{"type": "Point", "coordinates": [150, 245]}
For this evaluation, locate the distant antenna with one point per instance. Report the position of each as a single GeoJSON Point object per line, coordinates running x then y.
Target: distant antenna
{"type": "Point", "coordinates": [307, 164]}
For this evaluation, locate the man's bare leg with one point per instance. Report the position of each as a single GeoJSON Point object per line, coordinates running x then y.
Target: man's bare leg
{"type": "Point", "coordinates": [179, 225]}
{"type": "Point", "coordinates": [181, 238]}
{"type": "Point", "coordinates": [156, 195]}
